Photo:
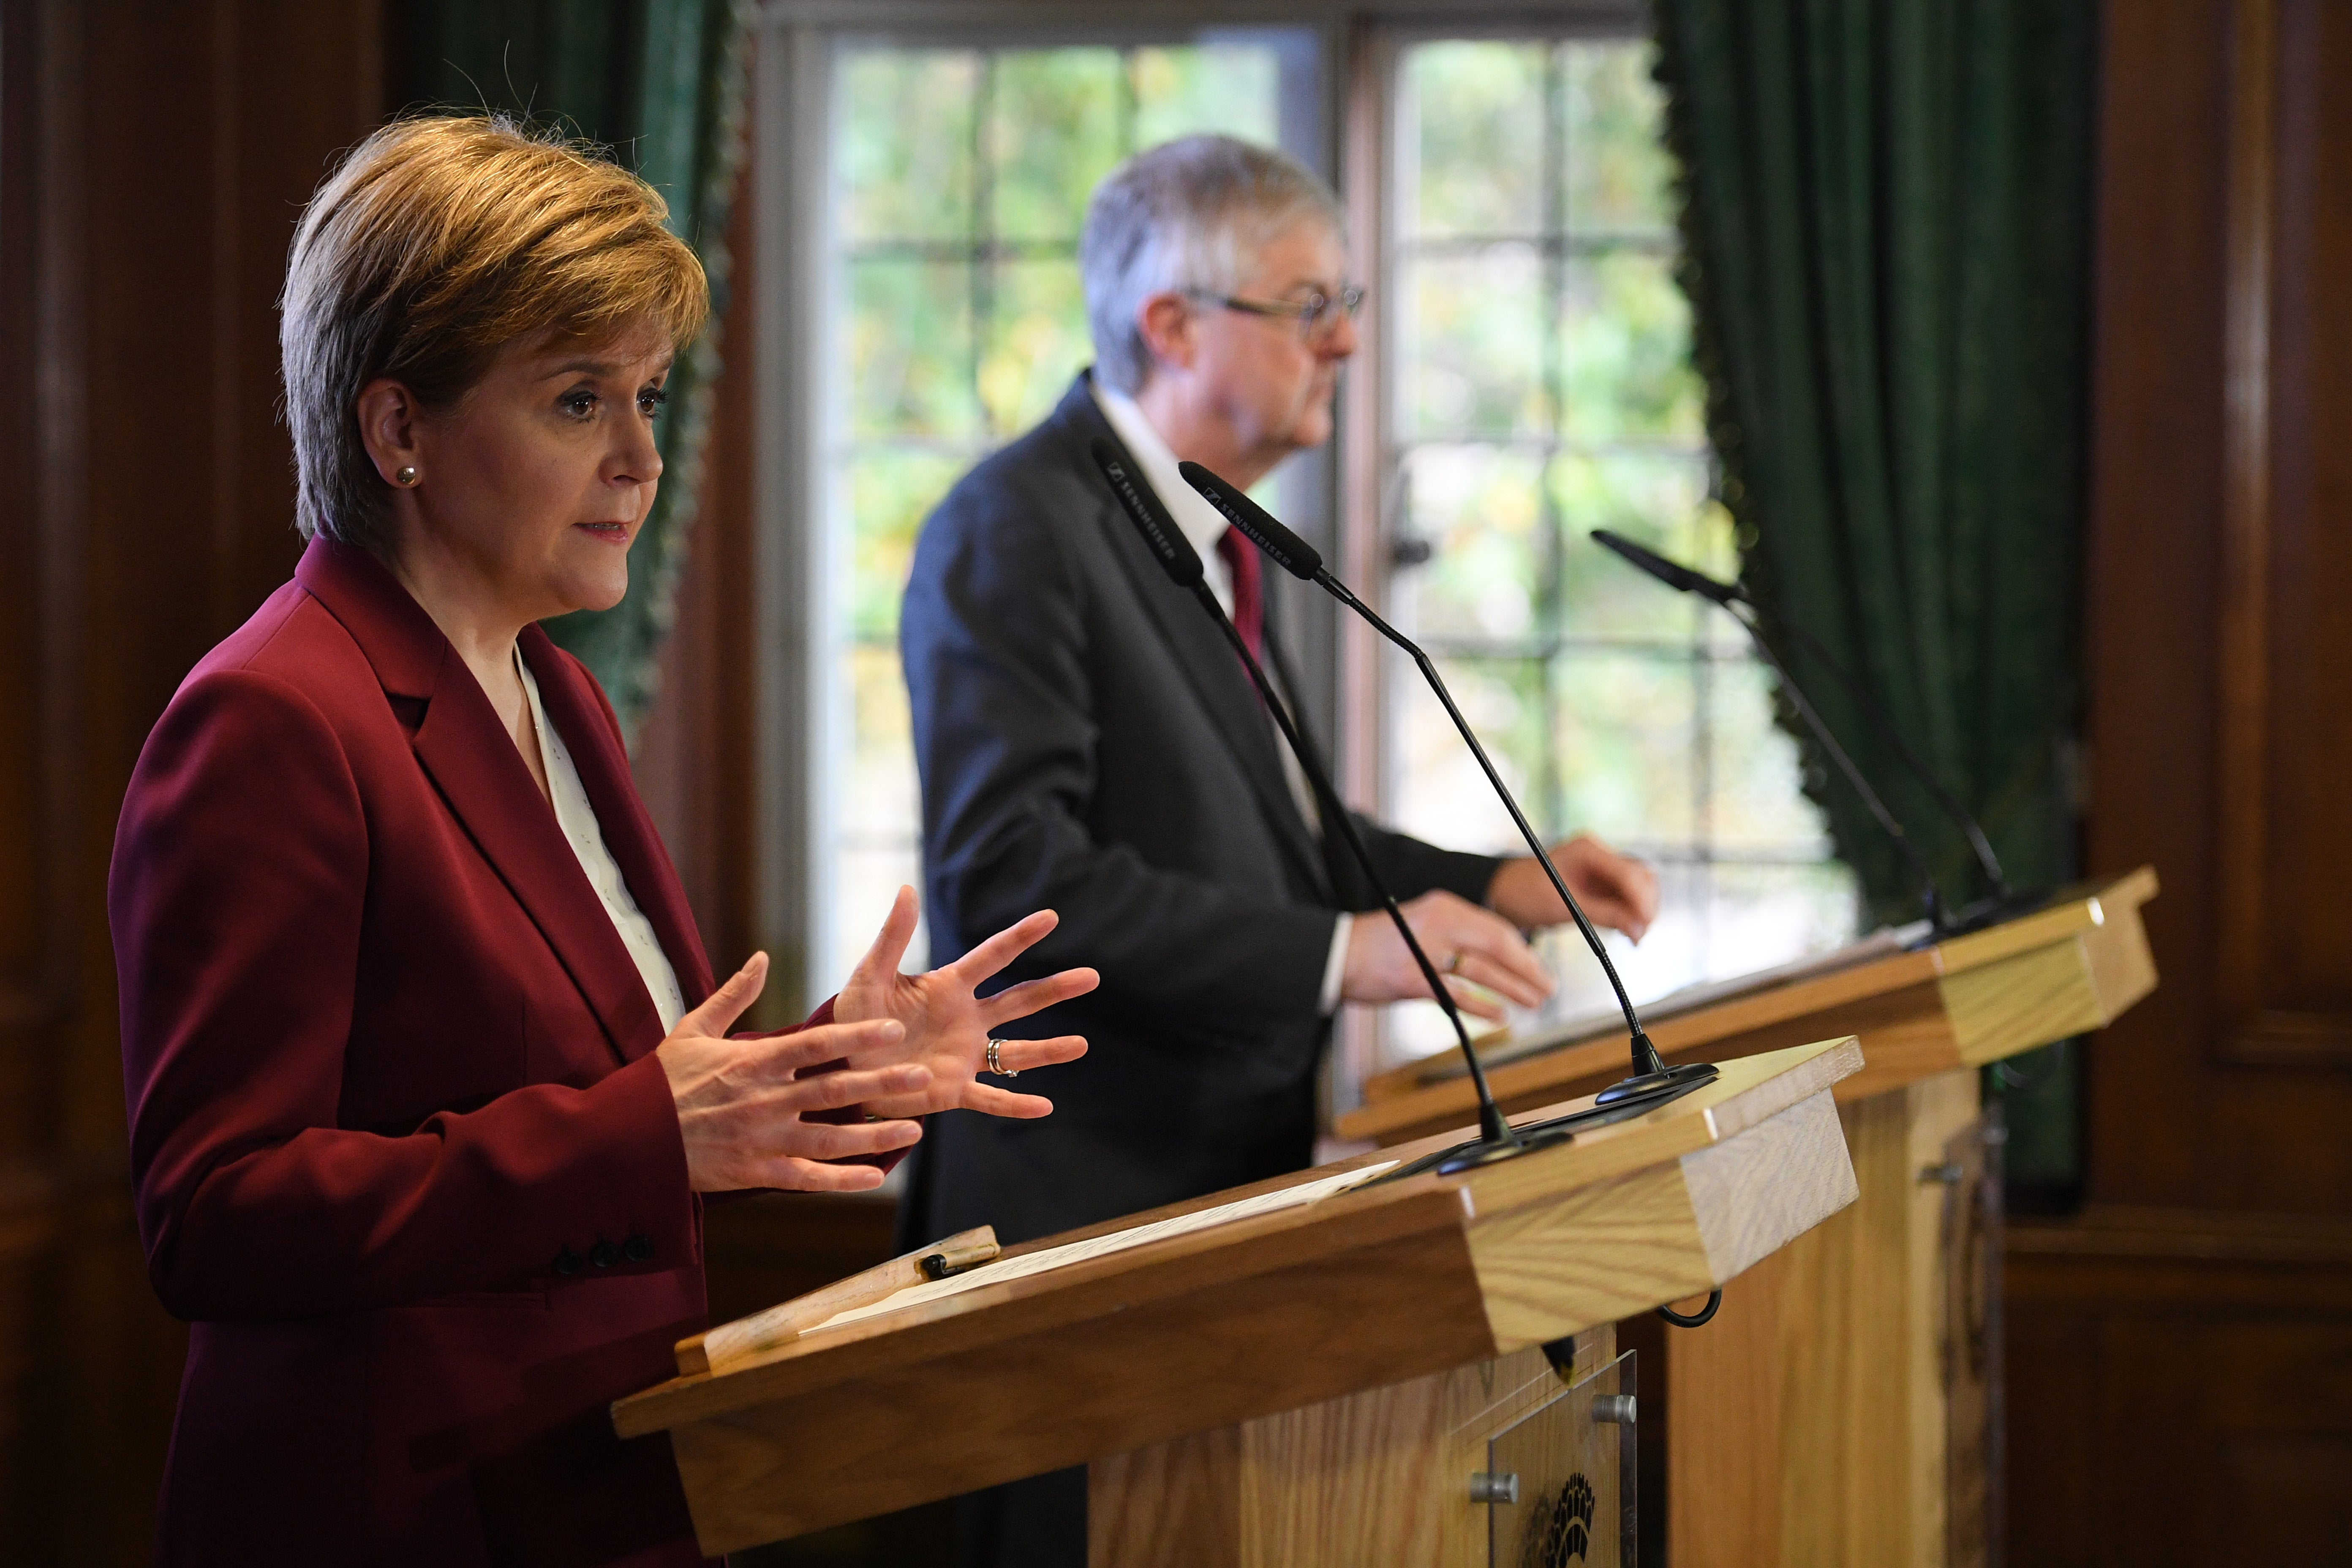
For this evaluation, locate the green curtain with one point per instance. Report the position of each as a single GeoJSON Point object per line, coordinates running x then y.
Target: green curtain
{"type": "Point", "coordinates": [1887, 235]}
{"type": "Point", "coordinates": [661, 83]}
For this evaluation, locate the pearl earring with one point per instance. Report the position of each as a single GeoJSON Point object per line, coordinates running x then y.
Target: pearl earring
{"type": "Point", "coordinates": [404, 476]}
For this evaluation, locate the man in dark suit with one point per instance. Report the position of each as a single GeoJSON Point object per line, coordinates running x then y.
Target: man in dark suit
{"type": "Point", "coordinates": [1089, 743]}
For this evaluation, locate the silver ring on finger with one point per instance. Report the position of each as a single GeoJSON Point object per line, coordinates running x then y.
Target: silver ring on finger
{"type": "Point", "coordinates": [1454, 962]}
{"type": "Point", "coordinates": [996, 1063]}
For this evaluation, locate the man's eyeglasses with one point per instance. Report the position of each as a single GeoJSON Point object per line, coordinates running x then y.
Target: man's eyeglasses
{"type": "Point", "coordinates": [1318, 315]}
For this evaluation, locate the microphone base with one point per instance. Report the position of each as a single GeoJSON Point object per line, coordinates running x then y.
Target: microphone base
{"type": "Point", "coordinates": [1471, 1156]}
{"type": "Point", "coordinates": [1991, 912]}
{"type": "Point", "coordinates": [1560, 1130]}
{"type": "Point", "coordinates": [1480, 1152]}
{"type": "Point", "coordinates": [1657, 1087]}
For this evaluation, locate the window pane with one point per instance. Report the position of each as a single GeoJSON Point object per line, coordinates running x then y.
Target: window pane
{"type": "Point", "coordinates": [1227, 88]}
{"type": "Point", "coordinates": [1764, 915]}
{"type": "Point", "coordinates": [867, 876]}
{"type": "Point", "coordinates": [1619, 175]}
{"type": "Point", "coordinates": [1036, 341]}
{"type": "Point", "coordinates": [880, 799]}
{"type": "Point", "coordinates": [1472, 343]}
{"type": "Point", "coordinates": [1052, 133]}
{"type": "Point", "coordinates": [1624, 330]}
{"type": "Point", "coordinates": [891, 489]}
{"type": "Point", "coordinates": [909, 351]}
{"type": "Point", "coordinates": [1564, 349]}
{"type": "Point", "coordinates": [1759, 806]}
{"type": "Point", "coordinates": [1624, 737]}
{"type": "Point", "coordinates": [1653, 497]}
{"type": "Point", "coordinates": [1443, 796]}
{"type": "Point", "coordinates": [1480, 509]}
{"type": "Point", "coordinates": [906, 140]}
{"type": "Point", "coordinates": [1470, 114]}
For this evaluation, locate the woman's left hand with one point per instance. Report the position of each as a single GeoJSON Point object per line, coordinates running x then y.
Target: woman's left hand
{"type": "Point", "coordinates": [948, 1027]}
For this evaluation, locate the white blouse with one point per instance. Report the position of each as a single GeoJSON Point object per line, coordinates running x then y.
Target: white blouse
{"type": "Point", "coordinates": [578, 820]}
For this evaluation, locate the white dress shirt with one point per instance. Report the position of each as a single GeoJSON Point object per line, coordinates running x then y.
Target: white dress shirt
{"type": "Point", "coordinates": [578, 820]}
{"type": "Point", "coordinates": [1202, 525]}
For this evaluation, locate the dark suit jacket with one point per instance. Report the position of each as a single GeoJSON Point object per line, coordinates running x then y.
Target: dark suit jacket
{"type": "Point", "coordinates": [404, 1156]}
{"type": "Point", "coordinates": [1089, 743]}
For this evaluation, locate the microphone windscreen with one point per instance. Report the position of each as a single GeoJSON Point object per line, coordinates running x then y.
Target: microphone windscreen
{"type": "Point", "coordinates": [1672, 573]}
{"type": "Point", "coordinates": [1286, 549]}
{"type": "Point", "coordinates": [1171, 549]}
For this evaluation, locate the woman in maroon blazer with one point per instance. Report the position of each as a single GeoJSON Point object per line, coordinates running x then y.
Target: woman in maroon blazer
{"type": "Point", "coordinates": [424, 1063]}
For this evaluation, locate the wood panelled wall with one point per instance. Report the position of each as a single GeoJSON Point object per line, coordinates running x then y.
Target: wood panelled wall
{"type": "Point", "coordinates": [2180, 1353]}
{"type": "Point", "coordinates": [152, 161]}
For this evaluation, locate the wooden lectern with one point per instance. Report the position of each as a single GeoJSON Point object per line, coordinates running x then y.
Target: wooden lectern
{"type": "Point", "coordinates": [1843, 1406]}
{"type": "Point", "coordinates": [1322, 1384]}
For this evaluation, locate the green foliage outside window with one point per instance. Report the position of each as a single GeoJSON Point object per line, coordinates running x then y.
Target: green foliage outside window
{"type": "Point", "coordinates": [1543, 389]}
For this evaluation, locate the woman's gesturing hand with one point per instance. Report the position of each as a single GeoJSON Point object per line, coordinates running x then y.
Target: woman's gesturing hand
{"type": "Point", "coordinates": [742, 1112]}
{"type": "Point", "coordinates": [948, 1027]}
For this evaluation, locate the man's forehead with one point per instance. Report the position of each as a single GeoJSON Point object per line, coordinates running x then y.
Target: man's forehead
{"type": "Point", "coordinates": [1308, 251]}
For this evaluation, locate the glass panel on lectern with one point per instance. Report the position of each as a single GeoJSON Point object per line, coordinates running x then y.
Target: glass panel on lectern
{"type": "Point", "coordinates": [1573, 1460]}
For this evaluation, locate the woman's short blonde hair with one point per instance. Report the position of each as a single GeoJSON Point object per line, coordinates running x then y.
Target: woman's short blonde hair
{"type": "Point", "coordinates": [435, 244]}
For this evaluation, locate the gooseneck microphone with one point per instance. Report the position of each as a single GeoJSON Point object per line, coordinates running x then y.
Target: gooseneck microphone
{"type": "Point", "coordinates": [1735, 600]}
{"type": "Point", "coordinates": [1653, 1082]}
{"type": "Point", "coordinates": [1496, 1140]}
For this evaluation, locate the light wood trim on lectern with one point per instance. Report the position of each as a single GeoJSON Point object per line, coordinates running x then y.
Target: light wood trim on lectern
{"type": "Point", "coordinates": [2071, 966]}
{"type": "Point", "coordinates": [1670, 1231]}
{"type": "Point", "coordinates": [746, 1338]}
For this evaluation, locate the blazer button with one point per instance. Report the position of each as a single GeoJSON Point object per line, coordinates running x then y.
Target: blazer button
{"type": "Point", "coordinates": [604, 1255]}
{"type": "Point", "coordinates": [637, 1249]}
{"type": "Point", "coordinates": [567, 1262]}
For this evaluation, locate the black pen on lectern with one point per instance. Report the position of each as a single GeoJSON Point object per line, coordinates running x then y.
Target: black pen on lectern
{"type": "Point", "coordinates": [1650, 1075]}
{"type": "Point", "coordinates": [1733, 598]}
{"type": "Point", "coordinates": [1182, 563]}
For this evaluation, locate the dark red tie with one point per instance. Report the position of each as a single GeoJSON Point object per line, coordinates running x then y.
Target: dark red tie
{"type": "Point", "coordinates": [1249, 597]}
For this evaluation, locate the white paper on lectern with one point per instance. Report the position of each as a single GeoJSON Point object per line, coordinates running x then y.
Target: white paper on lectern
{"type": "Point", "coordinates": [1525, 1040]}
{"type": "Point", "coordinates": [1062, 1256]}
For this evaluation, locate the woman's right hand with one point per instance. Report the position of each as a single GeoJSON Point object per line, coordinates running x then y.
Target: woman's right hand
{"type": "Point", "coordinates": [743, 1113]}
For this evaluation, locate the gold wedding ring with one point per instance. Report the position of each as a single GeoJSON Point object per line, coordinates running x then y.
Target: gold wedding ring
{"type": "Point", "coordinates": [996, 1063]}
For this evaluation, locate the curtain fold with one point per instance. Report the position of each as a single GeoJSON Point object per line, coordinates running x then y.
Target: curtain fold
{"type": "Point", "coordinates": [1886, 243]}
{"type": "Point", "coordinates": [661, 82]}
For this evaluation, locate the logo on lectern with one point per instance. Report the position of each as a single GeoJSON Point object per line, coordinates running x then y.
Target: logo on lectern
{"type": "Point", "coordinates": [1562, 1527]}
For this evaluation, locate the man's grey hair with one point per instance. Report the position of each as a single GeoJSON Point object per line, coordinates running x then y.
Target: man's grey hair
{"type": "Point", "coordinates": [1188, 214]}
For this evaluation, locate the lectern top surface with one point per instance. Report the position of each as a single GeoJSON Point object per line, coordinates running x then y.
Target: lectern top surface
{"type": "Point", "coordinates": [1901, 1002]}
{"type": "Point", "coordinates": [1022, 1264]}
{"type": "Point", "coordinates": [1414, 1234]}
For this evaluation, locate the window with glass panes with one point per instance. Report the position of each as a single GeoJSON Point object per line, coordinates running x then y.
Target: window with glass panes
{"type": "Point", "coordinates": [1540, 388]}
{"type": "Point", "coordinates": [960, 179]}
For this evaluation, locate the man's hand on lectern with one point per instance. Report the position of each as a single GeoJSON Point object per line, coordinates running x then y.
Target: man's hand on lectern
{"type": "Point", "coordinates": [1479, 955]}
{"type": "Point", "coordinates": [1616, 890]}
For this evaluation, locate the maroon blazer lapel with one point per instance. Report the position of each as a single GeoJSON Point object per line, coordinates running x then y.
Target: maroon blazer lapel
{"type": "Point", "coordinates": [580, 715]}
{"type": "Point", "coordinates": [474, 762]}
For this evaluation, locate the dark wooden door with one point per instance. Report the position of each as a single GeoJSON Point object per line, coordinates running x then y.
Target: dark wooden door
{"type": "Point", "coordinates": [2180, 1353]}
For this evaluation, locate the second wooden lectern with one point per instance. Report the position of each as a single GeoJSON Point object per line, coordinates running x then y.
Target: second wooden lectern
{"type": "Point", "coordinates": [1842, 1410]}
{"type": "Point", "coordinates": [1367, 1381]}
